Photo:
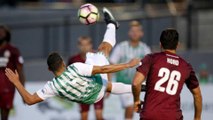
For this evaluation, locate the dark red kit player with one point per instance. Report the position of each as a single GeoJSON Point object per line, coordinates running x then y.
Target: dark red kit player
{"type": "Point", "coordinates": [85, 45]}
{"type": "Point", "coordinates": [166, 73]}
{"type": "Point", "coordinates": [10, 58]}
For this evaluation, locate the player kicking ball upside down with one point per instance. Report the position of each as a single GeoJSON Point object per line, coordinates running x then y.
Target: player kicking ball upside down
{"type": "Point", "coordinates": [80, 82]}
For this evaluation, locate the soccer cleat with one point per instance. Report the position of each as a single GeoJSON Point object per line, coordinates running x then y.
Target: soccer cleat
{"type": "Point", "coordinates": [143, 88]}
{"type": "Point", "coordinates": [109, 18]}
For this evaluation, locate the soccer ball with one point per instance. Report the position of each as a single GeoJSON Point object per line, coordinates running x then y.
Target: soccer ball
{"type": "Point", "coordinates": [88, 14]}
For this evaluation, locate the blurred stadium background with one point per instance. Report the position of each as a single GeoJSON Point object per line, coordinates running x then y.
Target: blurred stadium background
{"type": "Point", "coordinates": [41, 26]}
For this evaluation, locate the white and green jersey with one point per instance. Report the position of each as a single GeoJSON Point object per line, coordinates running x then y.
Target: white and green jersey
{"type": "Point", "coordinates": [124, 52]}
{"type": "Point", "coordinates": [77, 83]}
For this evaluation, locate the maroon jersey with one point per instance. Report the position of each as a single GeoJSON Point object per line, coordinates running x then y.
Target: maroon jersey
{"type": "Point", "coordinates": [10, 58]}
{"type": "Point", "coordinates": [166, 74]}
{"type": "Point", "coordinates": [76, 58]}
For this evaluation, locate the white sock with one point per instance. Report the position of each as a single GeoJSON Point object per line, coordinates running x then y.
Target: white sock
{"type": "Point", "coordinates": [120, 88]}
{"type": "Point", "coordinates": [109, 36]}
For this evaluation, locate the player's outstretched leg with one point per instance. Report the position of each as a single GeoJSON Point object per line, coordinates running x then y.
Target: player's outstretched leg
{"type": "Point", "coordinates": [118, 88]}
{"type": "Point", "coordinates": [121, 88]}
{"type": "Point", "coordinates": [109, 18]}
{"type": "Point", "coordinates": [110, 34]}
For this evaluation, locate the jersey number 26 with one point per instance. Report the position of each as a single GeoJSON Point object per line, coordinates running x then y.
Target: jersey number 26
{"type": "Point", "coordinates": [172, 77]}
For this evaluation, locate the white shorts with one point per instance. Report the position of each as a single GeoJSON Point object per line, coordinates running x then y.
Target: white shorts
{"type": "Point", "coordinates": [126, 100]}
{"type": "Point", "coordinates": [99, 59]}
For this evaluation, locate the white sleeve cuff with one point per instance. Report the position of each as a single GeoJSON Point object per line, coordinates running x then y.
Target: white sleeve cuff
{"type": "Point", "coordinates": [46, 91]}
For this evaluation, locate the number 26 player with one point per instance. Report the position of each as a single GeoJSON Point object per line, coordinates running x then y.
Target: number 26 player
{"type": "Point", "coordinates": [166, 74]}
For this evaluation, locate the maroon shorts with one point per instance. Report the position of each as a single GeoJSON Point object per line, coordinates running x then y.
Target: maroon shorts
{"type": "Point", "coordinates": [98, 105]}
{"type": "Point", "coordinates": [6, 100]}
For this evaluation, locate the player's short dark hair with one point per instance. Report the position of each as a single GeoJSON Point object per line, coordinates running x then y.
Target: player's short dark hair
{"type": "Point", "coordinates": [54, 61]}
{"type": "Point", "coordinates": [169, 39]}
{"type": "Point", "coordinates": [7, 33]}
{"type": "Point", "coordinates": [135, 23]}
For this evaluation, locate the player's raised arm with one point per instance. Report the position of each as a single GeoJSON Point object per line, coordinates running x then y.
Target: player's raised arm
{"type": "Point", "coordinates": [27, 97]}
{"type": "Point", "coordinates": [115, 67]}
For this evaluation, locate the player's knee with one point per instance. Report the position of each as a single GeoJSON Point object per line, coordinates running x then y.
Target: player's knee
{"type": "Point", "coordinates": [99, 115]}
{"type": "Point", "coordinates": [105, 47]}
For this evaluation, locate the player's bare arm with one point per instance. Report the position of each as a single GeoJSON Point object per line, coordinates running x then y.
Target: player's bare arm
{"type": "Point", "coordinates": [136, 89]}
{"type": "Point", "coordinates": [115, 67]}
{"type": "Point", "coordinates": [27, 97]}
{"type": "Point", "coordinates": [197, 103]}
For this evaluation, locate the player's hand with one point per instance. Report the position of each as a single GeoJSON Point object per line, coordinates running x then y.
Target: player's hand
{"type": "Point", "coordinates": [134, 62]}
{"type": "Point", "coordinates": [107, 95]}
{"type": "Point", "coordinates": [137, 106]}
{"type": "Point", "coordinates": [12, 76]}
